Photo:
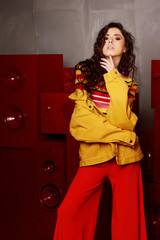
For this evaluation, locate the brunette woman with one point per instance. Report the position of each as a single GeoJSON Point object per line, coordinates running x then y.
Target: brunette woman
{"type": "Point", "coordinates": [104, 124]}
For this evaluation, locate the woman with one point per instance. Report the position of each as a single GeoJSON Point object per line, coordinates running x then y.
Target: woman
{"type": "Point", "coordinates": [104, 124]}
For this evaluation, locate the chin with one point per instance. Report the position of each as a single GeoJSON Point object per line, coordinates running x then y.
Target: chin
{"type": "Point", "coordinates": [110, 54]}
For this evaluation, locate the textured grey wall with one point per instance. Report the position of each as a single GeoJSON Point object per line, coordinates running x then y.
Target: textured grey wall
{"type": "Point", "coordinates": [70, 27]}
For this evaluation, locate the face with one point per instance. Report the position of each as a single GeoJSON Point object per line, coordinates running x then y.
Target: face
{"type": "Point", "coordinates": [114, 43]}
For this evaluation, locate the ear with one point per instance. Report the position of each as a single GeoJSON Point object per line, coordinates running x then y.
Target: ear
{"type": "Point", "coordinates": [124, 50]}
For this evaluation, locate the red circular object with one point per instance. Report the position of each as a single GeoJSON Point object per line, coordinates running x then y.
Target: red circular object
{"type": "Point", "coordinates": [14, 80]}
{"type": "Point", "coordinates": [50, 196]}
{"type": "Point", "coordinates": [49, 167]}
{"type": "Point", "coordinates": [14, 119]}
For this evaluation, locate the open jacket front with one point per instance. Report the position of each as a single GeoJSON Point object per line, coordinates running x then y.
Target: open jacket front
{"type": "Point", "coordinates": [104, 136]}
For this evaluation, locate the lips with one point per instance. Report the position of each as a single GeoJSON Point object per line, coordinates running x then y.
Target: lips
{"type": "Point", "coordinates": [110, 47]}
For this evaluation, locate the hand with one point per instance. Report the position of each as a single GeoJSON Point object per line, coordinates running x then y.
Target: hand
{"type": "Point", "coordinates": [136, 142]}
{"type": "Point", "coordinates": [107, 63]}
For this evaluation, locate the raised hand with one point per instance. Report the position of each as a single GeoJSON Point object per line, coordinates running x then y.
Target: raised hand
{"type": "Point", "coordinates": [107, 63]}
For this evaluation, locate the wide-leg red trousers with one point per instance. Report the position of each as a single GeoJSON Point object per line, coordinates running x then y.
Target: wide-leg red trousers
{"type": "Point", "coordinates": [77, 215]}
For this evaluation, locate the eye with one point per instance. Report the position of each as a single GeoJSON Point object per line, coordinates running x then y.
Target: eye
{"type": "Point", "coordinates": [118, 38]}
{"type": "Point", "coordinates": [106, 38]}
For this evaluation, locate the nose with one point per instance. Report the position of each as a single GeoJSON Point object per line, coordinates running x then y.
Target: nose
{"type": "Point", "coordinates": [110, 40]}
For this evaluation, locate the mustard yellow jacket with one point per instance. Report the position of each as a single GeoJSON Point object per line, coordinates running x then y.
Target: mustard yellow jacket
{"type": "Point", "coordinates": [103, 137]}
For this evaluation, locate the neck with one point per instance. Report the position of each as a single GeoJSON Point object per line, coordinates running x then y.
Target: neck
{"type": "Point", "coordinates": [116, 61]}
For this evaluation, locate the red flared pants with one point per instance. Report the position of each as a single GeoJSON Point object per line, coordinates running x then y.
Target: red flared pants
{"type": "Point", "coordinates": [77, 215]}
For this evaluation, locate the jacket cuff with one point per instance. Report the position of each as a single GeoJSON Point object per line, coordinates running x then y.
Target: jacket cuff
{"type": "Point", "coordinates": [131, 139]}
{"type": "Point", "coordinates": [111, 75]}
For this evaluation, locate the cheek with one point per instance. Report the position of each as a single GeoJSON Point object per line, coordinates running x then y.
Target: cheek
{"type": "Point", "coordinates": [104, 48]}
{"type": "Point", "coordinates": [122, 47]}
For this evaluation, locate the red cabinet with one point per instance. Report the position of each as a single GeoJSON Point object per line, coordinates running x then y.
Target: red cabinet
{"type": "Point", "coordinates": [33, 165]}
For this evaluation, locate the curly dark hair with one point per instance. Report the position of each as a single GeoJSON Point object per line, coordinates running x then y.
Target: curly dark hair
{"type": "Point", "coordinates": [92, 68]}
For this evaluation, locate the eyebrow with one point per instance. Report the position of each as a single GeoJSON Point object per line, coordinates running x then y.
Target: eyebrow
{"type": "Point", "coordinates": [114, 35]}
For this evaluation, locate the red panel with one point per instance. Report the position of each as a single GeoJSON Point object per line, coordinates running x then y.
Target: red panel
{"type": "Point", "coordinates": [17, 168]}
{"type": "Point", "coordinates": [152, 208]}
{"type": "Point", "coordinates": [151, 193]}
{"type": "Point", "coordinates": [18, 93]}
{"type": "Point", "coordinates": [69, 84]}
{"type": "Point", "coordinates": [51, 184]}
{"type": "Point", "coordinates": [146, 137]}
{"type": "Point", "coordinates": [157, 145]}
{"type": "Point", "coordinates": [50, 72]}
{"type": "Point", "coordinates": [56, 110]}
{"type": "Point", "coordinates": [155, 84]}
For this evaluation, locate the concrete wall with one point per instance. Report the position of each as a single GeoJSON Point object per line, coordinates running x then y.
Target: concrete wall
{"type": "Point", "coordinates": [70, 27]}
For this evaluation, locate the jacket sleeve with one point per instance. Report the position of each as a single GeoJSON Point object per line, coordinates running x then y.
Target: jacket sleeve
{"type": "Point", "coordinates": [89, 125]}
{"type": "Point", "coordinates": [119, 113]}
{"type": "Point", "coordinates": [132, 93]}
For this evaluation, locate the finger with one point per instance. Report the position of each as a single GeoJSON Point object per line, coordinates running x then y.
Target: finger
{"type": "Point", "coordinates": [107, 66]}
{"type": "Point", "coordinates": [109, 61]}
{"type": "Point", "coordinates": [104, 66]}
{"type": "Point", "coordinates": [106, 60]}
{"type": "Point", "coordinates": [106, 63]}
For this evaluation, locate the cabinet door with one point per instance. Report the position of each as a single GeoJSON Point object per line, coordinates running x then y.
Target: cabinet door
{"type": "Point", "coordinates": [146, 137]}
{"type": "Point", "coordinates": [157, 146]}
{"type": "Point", "coordinates": [17, 171]}
{"type": "Point", "coordinates": [155, 84]}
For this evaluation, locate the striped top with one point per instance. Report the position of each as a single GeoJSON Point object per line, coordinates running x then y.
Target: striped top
{"type": "Point", "coordinates": [99, 94]}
